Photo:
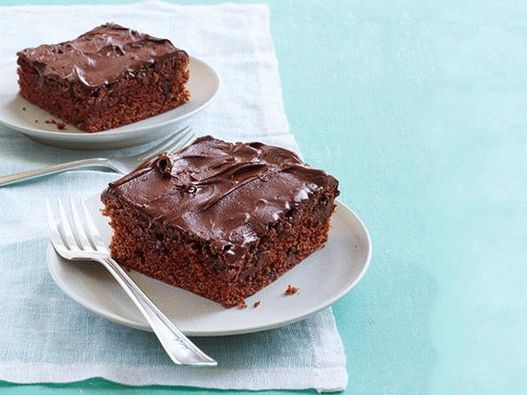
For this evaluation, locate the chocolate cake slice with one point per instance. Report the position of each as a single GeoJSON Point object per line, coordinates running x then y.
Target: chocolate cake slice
{"type": "Point", "coordinates": [219, 219]}
{"type": "Point", "coordinates": [107, 77]}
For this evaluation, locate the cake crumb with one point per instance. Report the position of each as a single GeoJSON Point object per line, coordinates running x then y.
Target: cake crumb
{"type": "Point", "coordinates": [256, 304]}
{"type": "Point", "coordinates": [291, 290]}
{"type": "Point", "coordinates": [23, 109]}
{"type": "Point", "coordinates": [242, 304]}
{"type": "Point", "coordinates": [36, 120]}
{"type": "Point", "coordinates": [60, 125]}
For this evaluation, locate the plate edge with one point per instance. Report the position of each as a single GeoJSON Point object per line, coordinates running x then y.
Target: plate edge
{"type": "Point", "coordinates": [132, 324]}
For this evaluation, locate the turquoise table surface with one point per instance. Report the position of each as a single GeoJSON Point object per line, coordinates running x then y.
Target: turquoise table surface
{"type": "Point", "coordinates": [418, 108]}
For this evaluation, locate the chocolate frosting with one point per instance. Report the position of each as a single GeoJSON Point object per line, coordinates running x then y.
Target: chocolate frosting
{"type": "Point", "coordinates": [100, 56]}
{"type": "Point", "coordinates": [227, 194]}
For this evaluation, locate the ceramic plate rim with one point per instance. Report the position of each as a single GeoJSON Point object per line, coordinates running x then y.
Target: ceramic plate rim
{"type": "Point", "coordinates": [94, 307]}
{"type": "Point", "coordinates": [105, 134]}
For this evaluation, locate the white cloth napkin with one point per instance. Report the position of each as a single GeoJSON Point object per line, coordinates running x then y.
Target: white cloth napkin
{"type": "Point", "coordinates": [45, 336]}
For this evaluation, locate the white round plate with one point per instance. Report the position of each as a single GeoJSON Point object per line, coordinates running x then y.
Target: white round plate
{"type": "Point", "coordinates": [203, 85]}
{"type": "Point", "coordinates": [322, 278]}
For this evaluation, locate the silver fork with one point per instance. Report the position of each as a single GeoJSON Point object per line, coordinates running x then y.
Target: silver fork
{"type": "Point", "coordinates": [75, 237]}
{"type": "Point", "coordinates": [122, 164]}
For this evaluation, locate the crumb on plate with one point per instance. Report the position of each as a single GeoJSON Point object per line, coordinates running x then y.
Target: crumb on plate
{"type": "Point", "coordinates": [291, 290]}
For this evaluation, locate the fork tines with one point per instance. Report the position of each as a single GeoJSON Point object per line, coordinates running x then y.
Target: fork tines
{"type": "Point", "coordinates": [175, 142]}
{"type": "Point", "coordinates": [73, 232]}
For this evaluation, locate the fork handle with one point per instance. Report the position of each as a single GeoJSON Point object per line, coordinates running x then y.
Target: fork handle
{"type": "Point", "coordinates": [77, 164]}
{"type": "Point", "coordinates": [179, 347]}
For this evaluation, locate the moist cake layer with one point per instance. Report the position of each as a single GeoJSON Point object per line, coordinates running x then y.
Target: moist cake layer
{"type": "Point", "coordinates": [219, 219]}
{"type": "Point", "coordinates": [108, 77]}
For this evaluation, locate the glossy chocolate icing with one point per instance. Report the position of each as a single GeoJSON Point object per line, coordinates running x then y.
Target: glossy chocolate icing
{"type": "Point", "coordinates": [100, 56]}
{"type": "Point", "coordinates": [226, 194]}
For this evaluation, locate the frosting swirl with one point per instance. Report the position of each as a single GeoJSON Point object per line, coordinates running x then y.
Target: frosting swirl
{"type": "Point", "coordinates": [225, 193]}
{"type": "Point", "coordinates": [100, 56]}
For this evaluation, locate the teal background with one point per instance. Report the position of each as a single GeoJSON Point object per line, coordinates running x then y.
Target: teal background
{"type": "Point", "coordinates": [419, 109]}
